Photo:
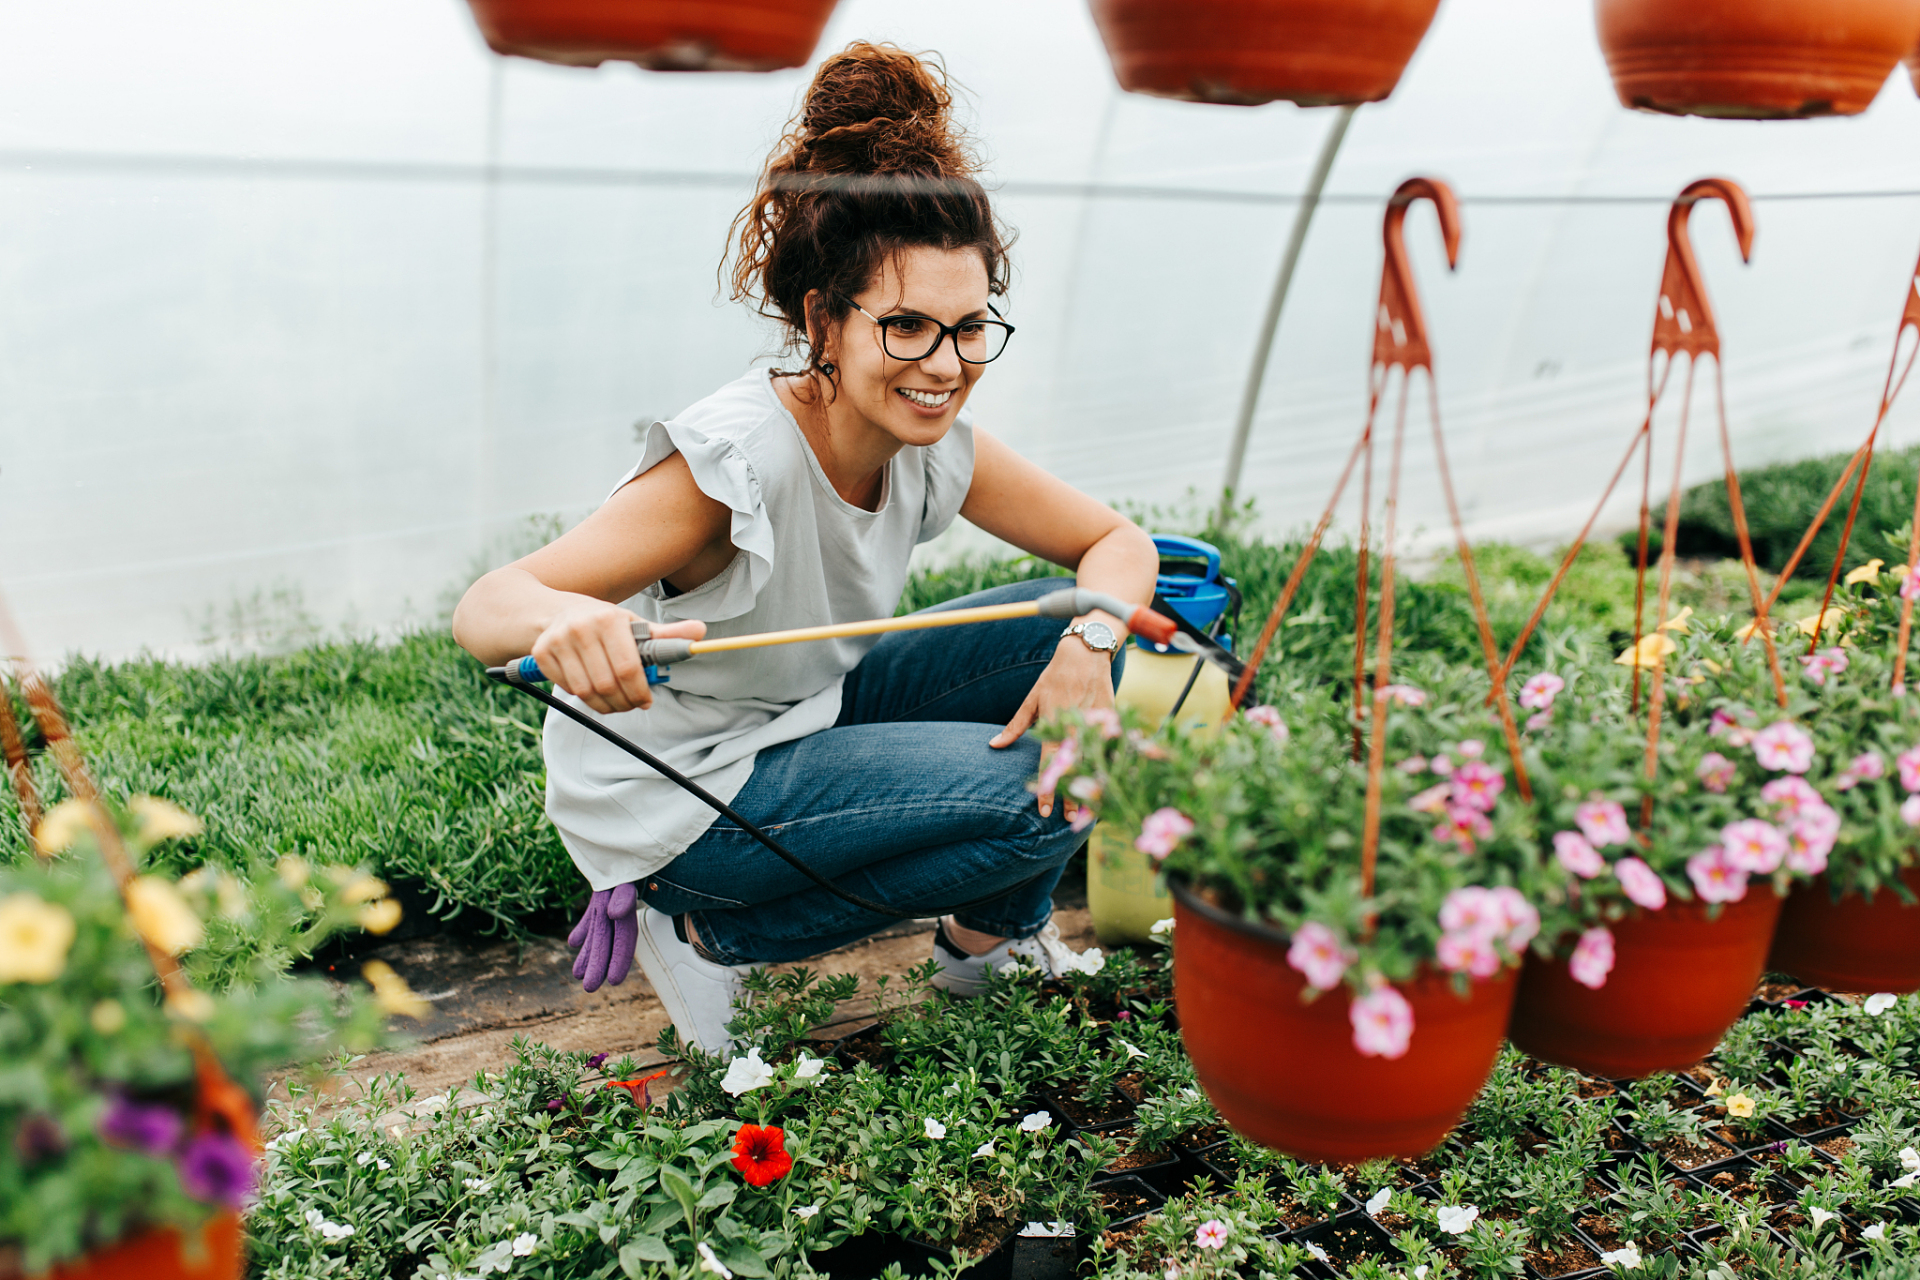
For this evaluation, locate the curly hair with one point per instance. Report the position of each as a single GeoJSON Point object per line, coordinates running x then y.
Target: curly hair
{"type": "Point", "coordinates": [873, 163]}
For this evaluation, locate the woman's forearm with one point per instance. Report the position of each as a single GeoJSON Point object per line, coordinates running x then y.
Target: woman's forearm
{"type": "Point", "coordinates": [503, 613]}
{"type": "Point", "coordinates": [1124, 563]}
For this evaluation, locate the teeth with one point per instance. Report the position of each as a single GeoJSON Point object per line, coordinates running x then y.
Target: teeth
{"type": "Point", "coordinates": [926, 399]}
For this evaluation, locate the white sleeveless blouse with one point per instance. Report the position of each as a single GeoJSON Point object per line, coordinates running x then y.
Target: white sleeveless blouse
{"type": "Point", "coordinates": [804, 557]}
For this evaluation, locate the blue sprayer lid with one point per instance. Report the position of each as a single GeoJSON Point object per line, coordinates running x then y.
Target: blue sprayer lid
{"type": "Point", "coordinates": [1190, 581]}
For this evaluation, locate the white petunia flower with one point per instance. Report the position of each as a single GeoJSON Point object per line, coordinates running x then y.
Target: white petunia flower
{"type": "Point", "coordinates": [524, 1244]}
{"type": "Point", "coordinates": [1904, 1180]}
{"type": "Point", "coordinates": [1089, 962]}
{"type": "Point", "coordinates": [1160, 928]}
{"type": "Point", "coordinates": [1626, 1257]}
{"type": "Point", "coordinates": [806, 1211]}
{"type": "Point", "coordinates": [1878, 1231]}
{"type": "Point", "coordinates": [1133, 1051]}
{"type": "Point", "coordinates": [288, 1138]}
{"type": "Point", "coordinates": [479, 1186]}
{"type": "Point", "coordinates": [709, 1262]}
{"type": "Point", "coordinates": [1036, 1122]}
{"type": "Point", "coordinates": [1821, 1217]}
{"type": "Point", "coordinates": [1879, 1003]}
{"type": "Point", "coordinates": [329, 1231]}
{"type": "Point", "coordinates": [1378, 1201]}
{"type": "Point", "coordinates": [984, 1149]}
{"type": "Point", "coordinates": [1316, 1251]}
{"type": "Point", "coordinates": [805, 1068]}
{"type": "Point", "coordinates": [1454, 1219]}
{"type": "Point", "coordinates": [746, 1074]}
{"type": "Point", "coordinates": [935, 1129]}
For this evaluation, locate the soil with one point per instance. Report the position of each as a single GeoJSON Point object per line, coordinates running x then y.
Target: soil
{"type": "Point", "coordinates": [1198, 1140]}
{"type": "Point", "coordinates": [1090, 1115]}
{"type": "Point", "coordinates": [1134, 1160]}
{"type": "Point", "coordinates": [1789, 1218]}
{"type": "Point", "coordinates": [977, 1239]}
{"type": "Point", "coordinates": [1563, 1257]}
{"type": "Point", "coordinates": [1738, 1184]}
{"type": "Point", "coordinates": [1126, 1237]}
{"type": "Point", "coordinates": [1825, 1118]}
{"type": "Point", "coordinates": [1703, 1075]}
{"type": "Point", "coordinates": [1684, 1156]}
{"type": "Point", "coordinates": [1774, 992]}
{"type": "Point", "coordinates": [1591, 1087]}
{"type": "Point", "coordinates": [1297, 1217]}
{"type": "Point", "coordinates": [1601, 1231]}
{"type": "Point", "coordinates": [1132, 1087]}
{"type": "Point", "coordinates": [1837, 1146]}
{"type": "Point", "coordinates": [1121, 1202]}
{"type": "Point", "coordinates": [868, 1046]}
{"type": "Point", "coordinates": [1347, 1242]}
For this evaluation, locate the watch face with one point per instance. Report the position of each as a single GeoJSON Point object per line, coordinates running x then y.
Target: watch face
{"type": "Point", "coordinates": [1099, 635]}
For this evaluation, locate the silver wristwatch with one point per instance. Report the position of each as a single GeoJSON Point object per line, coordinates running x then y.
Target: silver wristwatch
{"type": "Point", "coordinates": [1097, 636]}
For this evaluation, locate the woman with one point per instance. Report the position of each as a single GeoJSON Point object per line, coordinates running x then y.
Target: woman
{"type": "Point", "coordinates": [796, 499]}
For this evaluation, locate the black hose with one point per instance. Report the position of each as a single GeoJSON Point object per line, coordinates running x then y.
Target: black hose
{"type": "Point", "coordinates": [726, 810]}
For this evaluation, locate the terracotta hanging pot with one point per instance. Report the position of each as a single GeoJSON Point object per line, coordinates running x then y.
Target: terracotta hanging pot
{"type": "Point", "coordinates": [1852, 944]}
{"type": "Point", "coordinates": [1244, 52]}
{"type": "Point", "coordinates": [1285, 1073]}
{"type": "Point", "coordinates": [219, 1254]}
{"type": "Point", "coordinates": [1754, 59]}
{"type": "Point", "coordinates": [1679, 981]}
{"type": "Point", "coordinates": [664, 35]}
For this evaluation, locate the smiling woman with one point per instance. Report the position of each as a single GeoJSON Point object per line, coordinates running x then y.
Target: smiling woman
{"type": "Point", "coordinates": [795, 499]}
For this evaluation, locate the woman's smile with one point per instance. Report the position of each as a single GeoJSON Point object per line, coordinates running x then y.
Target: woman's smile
{"type": "Point", "coordinates": [931, 403]}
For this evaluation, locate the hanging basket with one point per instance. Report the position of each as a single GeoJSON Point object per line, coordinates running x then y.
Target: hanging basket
{"type": "Point", "coordinates": [1679, 981]}
{"type": "Point", "coordinates": [1852, 944]}
{"type": "Point", "coordinates": [219, 1253]}
{"type": "Point", "coordinates": [663, 35]}
{"type": "Point", "coordinates": [1245, 52]}
{"type": "Point", "coordinates": [1754, 59]}
{"type": "Point", "coordinates": [1284, 1072]}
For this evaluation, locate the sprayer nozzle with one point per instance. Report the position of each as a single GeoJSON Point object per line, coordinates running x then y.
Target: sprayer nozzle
{"type": "Point", "coordinates": [1153, 626]}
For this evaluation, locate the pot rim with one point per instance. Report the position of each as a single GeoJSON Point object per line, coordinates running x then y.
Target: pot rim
{"type": "Point", "coordinates": [1177, 885]}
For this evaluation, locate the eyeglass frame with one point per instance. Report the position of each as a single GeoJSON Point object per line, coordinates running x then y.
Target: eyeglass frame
{"type": "Point", "coordinates": [946, 331]}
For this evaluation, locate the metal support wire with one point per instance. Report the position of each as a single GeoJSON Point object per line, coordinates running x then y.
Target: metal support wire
{"type": "Point", "coordinates": [1263, 345]}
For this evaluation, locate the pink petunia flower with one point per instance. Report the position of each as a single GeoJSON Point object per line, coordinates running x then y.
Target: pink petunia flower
{"type": "Point", "coordinates": [1715, 877]}
{"type": "Point", "coordinates": [1413, 764]}
{"type": "Point", "coordinates": [1065, 756]}
{"type": "Point", "coordinates": [1319, 955]}
{"type": "Point", "coordinates": [1716, 772]}
{"type": "Point", "coordinates": [1162, 830]}
{"type": "Point", "coordinates": [1908, 762]}
{"type": "Point", "coordinates": [1269, 718]}
{"type": "Point", "coordinates": [1405, 695]}
{"type": "Point", "coordinates": [1382, 1023]}
{"type": "Point", "coordinates": [1106, 719]}
{"type": "Point", "coordinates": [1519, 920]}
{"type": "Point", "coordinates": [1603, 822]}
{"type": "Point", "coordinates": [1910, 588]}
{"type": "Point", "coordinates": [1463, 826]}
{"type": "Point", "coordinates": [1752, 845]}
{"type": "Point", "coordinates": [1641, 883]}
{"type": "Point", "coordinates": [1794, 796]}
{"type": "Point", "coordinates": [1592, 958]}
{"type": "Point", "coordinates": [1538, 693]}
{"type": "Point", "coordinates": [1783, 745]}
{"type": "Point", "coordinates": [1910, 811]}
{"type": "Point", "coordinates": [1807, 848]}
{"type": "Point", "coordinates": [1577, 854]}
{"type": "Point", "coordinates": [1472, 748]}
{"type": "Point", "coordinates": [1472, 909]}
{"type": "Point", "coordinates": [1466, 952]}
{"type": "Point", "coordinates": [1725, 724]}
{"type": "Point", "coordinates": [1868, 766]}
{"type": "Point", "coordinates": [1539, 720]}
{"type": "Point", "coordinates": [1477, 786]}
{"type": "Point", "coordinates": [1442, 765]}
{"type": "Point", "coordinates": [1432, 800]}
{"type": "Point", "coordinates": [1212, 1234]}
{"type": "Point", "coordinates": [1824, 663]}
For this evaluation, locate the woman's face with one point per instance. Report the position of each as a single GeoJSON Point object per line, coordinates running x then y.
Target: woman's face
{"type": "Point", "coordinates": [914, 401]}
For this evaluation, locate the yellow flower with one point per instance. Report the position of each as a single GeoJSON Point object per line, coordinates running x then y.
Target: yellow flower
{"type": "Point", "coordinates": [1826, 620]}
{"type": "Point", "coordinates": [1678, 622]}
{"type": "Point", "coordinates": [293, 871]}
{"type": "Point", "coordinates": [391, 992]}
{"type": "Point", "coordinates": [1747, 631]}
{"type": "Point", "coordinates": [1740, 1106]}
{"type": "Point", "coordinates": [162, 916]}
{"type": "Point", "coordinates": [380, 915]}
{"type": "Point", "coordinates": [34, 938]}
{"type": "Point", "coordinates": [363, 888]}
{"type": "Point", "coordinates": [1717, 1087]}
{"type": "Point", "coordinates": [192, 1004]}
{"type": "Point", "coordinates": [221, 885]}
{"type": "Point", "coordinates": [162, 819]}
{"type": "Point", "coordinates": [1650, 652]}
{"type": "Point", "coordinates": [1867, 572]}
{"type": "Point", "coordinates": [63, 824]}
{"type": "Point", "coordinates": [1712, 666]}
{"type": "Point", "coordinates": [108, 1017]}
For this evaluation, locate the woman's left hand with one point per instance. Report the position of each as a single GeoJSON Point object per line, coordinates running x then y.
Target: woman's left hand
{"type": "Point", "coordinates": [1078, 679]}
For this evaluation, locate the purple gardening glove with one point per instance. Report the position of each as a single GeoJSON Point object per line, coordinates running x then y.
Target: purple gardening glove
{"type": "Point", "coordinates": [605, 936]}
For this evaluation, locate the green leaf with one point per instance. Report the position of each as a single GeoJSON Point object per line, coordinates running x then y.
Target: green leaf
{"type": "Point", "coordinates": [718, 1196]}
{"type": "Point", "coordinates": [742, 1260]}
{"type": "Point", "coordinates": [680, 1189]}
{"type": "Point", "coordinates": [639, 1259]}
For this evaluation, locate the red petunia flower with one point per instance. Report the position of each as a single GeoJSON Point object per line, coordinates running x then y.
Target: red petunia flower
{"type": "Point", "coordinates": [637, 1089]}
{"type": "Point", "coordinates": [760, 1154]}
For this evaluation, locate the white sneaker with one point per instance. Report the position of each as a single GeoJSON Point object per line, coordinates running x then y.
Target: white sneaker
{"type": "Point", "coordinates": [699, 995]}
{"type": "Point", "coordinates": [963, 975]}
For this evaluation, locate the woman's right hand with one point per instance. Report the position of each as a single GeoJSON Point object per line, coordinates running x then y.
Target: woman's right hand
{"type": "Point", "coordinates": [588, 650]}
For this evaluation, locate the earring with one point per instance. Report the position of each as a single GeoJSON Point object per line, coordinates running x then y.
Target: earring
{"type": "Point", "coordinates": [827, 367]}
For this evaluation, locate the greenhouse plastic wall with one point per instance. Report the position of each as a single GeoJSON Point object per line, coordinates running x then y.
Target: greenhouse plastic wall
{"type": "Point", "coordinates": [306, 309]}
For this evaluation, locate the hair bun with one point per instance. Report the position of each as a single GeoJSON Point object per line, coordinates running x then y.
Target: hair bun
{"type": "Point", "coordinates": [875, 108]}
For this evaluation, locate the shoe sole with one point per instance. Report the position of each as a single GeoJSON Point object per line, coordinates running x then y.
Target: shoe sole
{"type": "Point", "coordinates": [652, 963]}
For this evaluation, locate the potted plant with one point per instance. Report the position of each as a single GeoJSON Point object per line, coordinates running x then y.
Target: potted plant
{"type": "Point", "coordinates": [664, 35]}
{"type": "Point", "coordinates": [125, 1147]}
{"type": "Point", "coordinates": [1324, 1020]}
{"type": "Point", "coordinates": [1313, 52]}
{"type": "Point", "coordinates": [1674, 881]}
{"type": "Point", "coordinates": [1754, 59]}
{"type": "Point", "coordinates": [1857, 927]}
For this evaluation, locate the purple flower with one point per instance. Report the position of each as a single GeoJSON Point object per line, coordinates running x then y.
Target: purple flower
{"type": "Point", "coordinates": [554, 1104]}
{"type": "Point", "coordinates": [138, 1126]}
{"type": "Point", "coordinates": [593, 1063]}
{"type": "Point", "coordinates": [217, 1169]}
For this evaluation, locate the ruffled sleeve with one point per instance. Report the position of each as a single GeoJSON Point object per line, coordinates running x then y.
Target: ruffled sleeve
{"type": "Point", "coordinates": [723, 474]}
{"type": "Point", "coordinates": [949, 471]}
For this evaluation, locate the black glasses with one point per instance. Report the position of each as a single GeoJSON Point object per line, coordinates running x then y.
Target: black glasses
{"type": "Point", "coordinates": [913, 338]}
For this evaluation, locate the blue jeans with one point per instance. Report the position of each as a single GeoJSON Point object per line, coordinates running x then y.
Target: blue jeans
{"type": "Point", "coordinates": [902, 802]}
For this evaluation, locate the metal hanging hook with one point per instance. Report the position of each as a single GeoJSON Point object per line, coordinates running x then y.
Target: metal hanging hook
{"type": "Point", "coordinates": [1683, 320]}
{"type": "Point", "coordinates": [1400, 329]}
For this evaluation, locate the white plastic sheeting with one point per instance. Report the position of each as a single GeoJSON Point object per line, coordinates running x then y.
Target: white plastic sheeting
{"type": "Point", "coordinates": [324, 300]}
